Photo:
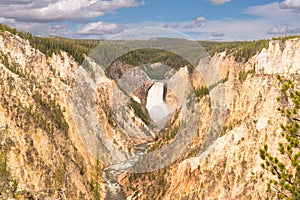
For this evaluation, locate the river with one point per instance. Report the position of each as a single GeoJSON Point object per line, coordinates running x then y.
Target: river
{"type": "Point", "coordinates": [110, 174]}
{"type": "Point", "coordinates": [158, 110]}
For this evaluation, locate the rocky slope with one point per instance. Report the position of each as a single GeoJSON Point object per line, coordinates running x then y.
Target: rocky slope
{"type": "Point", "coordinates": [42, 156]}
{"type": "Point", "coordinates": [230, 167]}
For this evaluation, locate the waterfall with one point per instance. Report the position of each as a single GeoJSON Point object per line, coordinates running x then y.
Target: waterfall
{"type": "Point", "coordinates": [157, 108]}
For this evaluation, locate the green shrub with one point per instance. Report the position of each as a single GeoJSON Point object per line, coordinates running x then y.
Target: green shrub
{"type": "Point", "coordinates": [201, 92]}
{"type": "Point", "coordinates": [244, 74]}
{"type": "Point", "coordinates": [242, 50]}
{"type": "Point", "coordinates": [286, 172]}
{"type": "Point", "coordinates": [48, 109]}
{"type": "Point", "coordinates": [138, 111]}
{"type": "Point", "coordinates": [8, 185]}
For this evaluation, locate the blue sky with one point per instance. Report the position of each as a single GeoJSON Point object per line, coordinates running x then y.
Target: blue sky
{"type": "Point", "coordinates": [200, 19]}
{"type": "Point", "coordinates": [178, 10]}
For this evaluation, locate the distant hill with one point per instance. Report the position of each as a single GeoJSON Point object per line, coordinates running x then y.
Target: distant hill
{"type": "Point", "coordinates": [241, 50]}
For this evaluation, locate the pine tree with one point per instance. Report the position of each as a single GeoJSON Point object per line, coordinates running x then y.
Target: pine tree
{"type": "Point", "coordinates": [286, 170]}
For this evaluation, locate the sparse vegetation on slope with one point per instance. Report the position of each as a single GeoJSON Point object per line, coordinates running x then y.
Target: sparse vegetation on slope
{"type": "Point", "coordinates": [242, 51]}
{"type": "Point", "coordinates": [38, 156]}
{"type": "Point", "coordinates": [138, 111]}
{"type": "Point", "coordinates": [50, 45]}
{"type": "Point", "coordinates": [204, 90]}
{"type": "Point", "coordinates": [8, 185]}
{"type": "Point", "coordinates": [243, 74]}
{"type": "Point", "coordinates": [286, 167]}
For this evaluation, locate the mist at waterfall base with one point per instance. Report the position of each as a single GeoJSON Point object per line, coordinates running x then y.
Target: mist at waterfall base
{"type": "Point", "coordinates": [158, 109]}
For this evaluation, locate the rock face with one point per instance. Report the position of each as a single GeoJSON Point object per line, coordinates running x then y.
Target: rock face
{"type": "Point", "coordinates": [42, 156]}
{"type": "Point", "coordinates": [280, 57]}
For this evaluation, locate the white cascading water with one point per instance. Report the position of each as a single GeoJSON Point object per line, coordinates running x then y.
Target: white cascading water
{"type": "Point", "coordinates": [157, 108]}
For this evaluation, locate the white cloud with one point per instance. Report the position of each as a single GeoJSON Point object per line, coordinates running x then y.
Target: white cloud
{"type": "Point", "coordinates": [60, 10]}
{"type": "Point", "coordinates": [235, 29]}
{"type": "Point", "coordinates": [12, 2]}
{"type": "Point", "coordinates": [278, 29]}
{"type": "Point", "coordinates": [99, 28]}
{"type": "Point", "coordinates": [200, 19]}
{"type": "Point", "coordinates": [218, 34]}
{"type": "Point", "coordinates": [291, 4]}
{"type": "Point", "coordinates": [52, 17]}
{"type": "Point", "coordinates": [283, 29]}
{"type": "Point", "coordinates": [219, 2]}
{"type": "Point", "coordinates": [273, 12]}
{"type": "Point", "coordinates": [264, 21]}
{"type": "Point", "coordinates": [41, 29]}
{"type": "Point", "coordinates": [199, 22]}
{"type": "Point", "coordinates": [232, 29]}
{"type": "Point", "coordinates": [261, 23]}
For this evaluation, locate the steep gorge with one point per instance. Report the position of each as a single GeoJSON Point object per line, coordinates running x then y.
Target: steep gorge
{"type": "Point", "coordinates": [46, 158]}
{"type": "Point", "coordinates": [230, 167]}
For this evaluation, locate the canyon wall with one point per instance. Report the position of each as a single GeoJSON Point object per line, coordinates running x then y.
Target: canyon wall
{"type": "Point", "coordinates": [230, 167]}
{"type": "Point", "coordinates": [42, 156]}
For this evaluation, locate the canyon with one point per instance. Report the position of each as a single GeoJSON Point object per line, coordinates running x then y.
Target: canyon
{"type": "Point", "coordinates": [47, 154]}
